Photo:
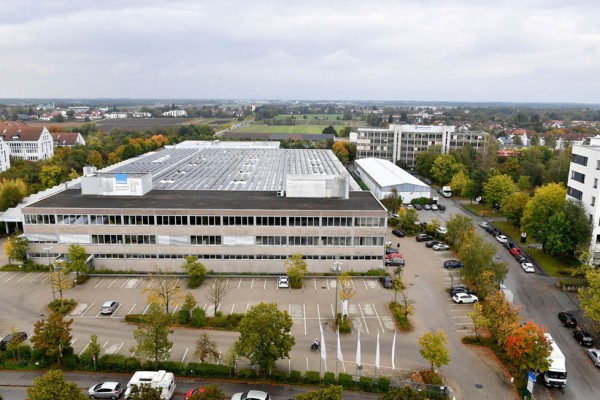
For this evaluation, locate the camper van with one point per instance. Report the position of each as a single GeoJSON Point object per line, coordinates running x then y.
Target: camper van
{"type": "Point", "coordinates": [162, 380]}
{"type": "Point", "coordinates": [556, 376]}
{"type": "Point", "coordinates": [446, 191]}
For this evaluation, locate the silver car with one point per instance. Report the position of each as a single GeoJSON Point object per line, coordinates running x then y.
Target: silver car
{"type": "Point", "coordinates": [109, 307]}
{"type": "Point", "coordinates": [106, 390]}
{"type": "Point", "coordinates": [594, 354]}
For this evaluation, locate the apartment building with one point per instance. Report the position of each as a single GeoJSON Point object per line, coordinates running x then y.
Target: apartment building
{"type": "Point", "coordinates": [25, 142]}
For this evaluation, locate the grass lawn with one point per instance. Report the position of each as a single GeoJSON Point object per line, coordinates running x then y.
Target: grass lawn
{"type": "Point", "coordinates": [313, 129]}
{"type": "Point", "coordinates": [509, 230]}
{"type": "Point", "coordinates": [480, 208]}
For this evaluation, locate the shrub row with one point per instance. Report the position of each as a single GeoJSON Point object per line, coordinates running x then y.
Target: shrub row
{"type": "Point", "coordinates": [402, 323]}
{"type": "Point", "coordinates": [198, 320]}
{"type": "Point", "coordinates": [67, 306]}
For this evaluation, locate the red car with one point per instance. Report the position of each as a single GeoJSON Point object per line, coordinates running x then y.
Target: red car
{"type": "Point", "coordinates": [392, 255]}
{"type": "Point", "coordinates": [193, 392]}
{"type": "Point", "coordinates": [515, 251]}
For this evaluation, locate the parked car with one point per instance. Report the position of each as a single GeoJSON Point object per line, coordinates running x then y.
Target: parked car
{"type": "Point", "coordinates": [109, 307]}
{"type": "Point", "coordinates": [410, 207]}
{"type": "Point", "coordinates": [106, 390]}
{"type": "Point", "coordinates": [527, 267]}
{"type": "Point", "coordinates": [193, 392]}
{"type": "Point", "coordinates": [441, 247]}
{"type": "Point", "coordinates": [251, 395]}
{"type": "Point", "coordinates": [507, 245]}
{"type": "Point", "coordinates": [422, 237]}
{"type": "Point", "coordinates": [427, 207]}
{"type": "Point", "coordinates": [490, 229]}
{"type": "Point", "coordinates": [391, 250]}
{"type": "Point", "coordinates": [398, 232]}
{"type": "Point", "coordinates": [452, 264]}
{"type": "Point", "coordinates": [567, 319]}
{"type": "Point", "coordinates": [418, 207]}
{"type": "Point", "coordinates": [394, 262]}
{"type": "Point", "coordinates": [388, 243]}
{"type": "Point", "coordinates": [595, 356]}
{"type": "Point", "coordinates": [461, 298]}
{"type": "Point", "coordinates": [393, 255]}
{"type": "Point", "coordinates": [515, 251]}
{"type": "Point", "coordinates": [584, 338]}
{"type": "Point", "coordinates": [283, 282]}
{"type": "Point", "coordinates": [434, 207]}
{"type": "Point", "coordinates": [432, 243]}
{"type": "Point", "coordinates": [483, 224]}
{"type": "Point", "coordinates": [501, 238]}
{"type": "Point", "coordinates": [16, 337]}
{"type": "Point", "coordinates": [442, 230]}
{"type": "Point", "coordinates": [386, 282]}
{"type": "Point", "coordinates": [460, 289]}
{"type": "Point", "coordinates": [521, 259]}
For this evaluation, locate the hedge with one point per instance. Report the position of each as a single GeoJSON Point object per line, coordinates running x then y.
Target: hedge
{"type": "Point", "coordinates": [312, 377]}
{"type": "Point", "coordinates": [295, 376]}
{"type": "Point", "coordinates": [329, 378]}
{"type": "Point", "coordinates": [366, 383]}
{"type": "Point", "coordinates": [346, 381]}
{"type": "Point", "coordinates": [383, 384]}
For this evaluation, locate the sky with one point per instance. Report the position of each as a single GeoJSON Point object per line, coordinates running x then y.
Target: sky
{"type": "Point", "coordinates": [446, 50]}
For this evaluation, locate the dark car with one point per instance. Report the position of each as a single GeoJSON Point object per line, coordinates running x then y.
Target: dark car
{"type": "Point", "coordinates": [432, 243]}
{"type": "Point", "coordinates": [521, 259]}
{"type": "Point", "coordinates": [391, 250]}
{"type": "Point", "coordinates": [386, 282]}
{"type": "Point", "coordinates": [422, 237]}
{"type": "Point", "coordinates": [584, 338]}
{"type": "Point", "coordinates": [451, 264]}
{"type": "Point", "coordinates": [460, 289]}
{"type": "Point", "coordinates": [16, 337]}
{"type": "Point", "coordinates": [441, 207]}
{"type": "Point", "coordinates": [394, 262]}
{"type": "Point", "coordinates": [507, 245]}
{"type": "Point", "coordinates": [567, 319]}
{"type": "Point", "coordinates": [398, 232]}
{"type": "Point", "coordinates": [490, 229]}
{"type": "Point", "coordinates": [418, 207]}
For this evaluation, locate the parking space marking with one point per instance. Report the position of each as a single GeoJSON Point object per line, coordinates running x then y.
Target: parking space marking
{"type": "Point", "coordinates": [10, 278]}
{"type": "Point", "coordinates": [87, 309]}
{"type": "Point", "coordinates": [265, 285]}
{"type": "Point", "coordinates": [240, 284]}
{"type": "Point", "coordinates": [102, 348]}
{"type": "Point", "coordinates": [378, 319]}
{"type": "Point", "coordinates": [232, 307]}
{"type": "Point", "coordinates": [147, 307]}
{"type": "Point", "coordinates": [150, 283]}
{"type": "Point", "coordinates": [3, 274]}
{"type": "Point", "coordinates": [81, 352]}
{"type": "Point", "coordinates": [304, 312]}
{"type": "Point", "coordinates": [112, 283]}
{"type": "Point", "coordinates": [117, 309]}
{"type": "Point", "coordinates": [73, 342]}
{"type": "Point", "coordinates": [24, 277]}
{"type": "Point", "coordinates": [137, 283]}
{"type": "Point", "coordinates": [124, 283]}
{"type": "Point", "coordinates": [365, 282]}
{"type": "Point", "coordinates": [184, 354]}
{"type": "Point", "coordinates": [113, 349]}
{"type": "Point", "coordinates": [247, 307]}
{"type": "Point", "coordinates": [175, 310]}
{"type": "Point", "coordinates": [319, 314]}
{"type": "Point", "coordinates": [252, 285]}
{"type": "Point", "coordinates": [363, 317]}
{"type": "Point", "coordinates": [35, 277]}
{"type": "Point", "coordinates": [132, 307]}
{"type": "Point", "coordinates": [46, 278]}
{"type": "Point", "coordinates": [96, 287]}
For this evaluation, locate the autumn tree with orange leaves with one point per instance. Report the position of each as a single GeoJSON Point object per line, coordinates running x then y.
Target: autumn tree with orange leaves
{"type": "Point", "coordinates": [528, 348]}
{"type": "Point", "coordinates": [501, 316]}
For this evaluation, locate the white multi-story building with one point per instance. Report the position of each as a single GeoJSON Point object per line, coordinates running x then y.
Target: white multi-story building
{"type": "Point", "coordinates": [404, 142]}
{"type": "Point", "coordinates": [26, 142]}
{"type": "Point", "coordinates": [174, 113]}
{"type": "Point", "coordinates": [584, 174]}
{"type": "Point", "coordinates": [4, 156]}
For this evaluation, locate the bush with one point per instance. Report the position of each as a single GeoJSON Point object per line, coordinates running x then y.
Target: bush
{"type": "Point", "coordinates": [194, 282]}
{"type": "Point", "coordinates": [183, 317]}
{"type": "Point", "coordinates": [329, 378]}
{"type": "Point", "coordinates": [279, 376]}
{"type": "Point", "coordinates": [81, 280]}
{"type": "Point", "coordinates": [345, 381]}
{"type": "Point", "coordinates": [344, 324]}
{"type": "Point", "coordinates": [245, 374]}
{"type": "Point", "coordinates": [312, 377]}
{"type": "Point", "coordinates": [431, 378]}
{"type": "Point", "coordinates": [205, 370]}
{"type": "Point", "coordinates": [366, 384]}
{"type": "Point", "coordinates": [176, 367]}
{"type": "Point", "coordinates": [67, 306]}
{"type": "Point", "coordinates": [118, 363]}
{"type": "Point", "coordinates": [135, 318]}
{"type": "Point", "coordinates": [376, 272]}
{"type": "Point", "coordinates": [295, 376]}
{"type": "Point", "coordinates": [402, 323]}
{"type": "Point", "coordinates": [198, 318]}
{"type": "Point", "coordinates": [383, 385]}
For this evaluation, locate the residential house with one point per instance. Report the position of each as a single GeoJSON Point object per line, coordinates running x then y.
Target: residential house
{"type": "Point", "coordinates": [26, 142]}
{"type": "Point", "coordinates": [67, 139]}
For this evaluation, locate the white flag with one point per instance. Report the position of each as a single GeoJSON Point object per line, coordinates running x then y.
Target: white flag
{"type": "Point", "coordinates": [394, 352]}
{"type": "Point", "coordinates": [339, 347]}
{"type": "Point", "coordinates": [323, 351]}
{"type": "Point", "coordinates": [358, 350]}
{"type": "Point", "coordinates": [377, 352]}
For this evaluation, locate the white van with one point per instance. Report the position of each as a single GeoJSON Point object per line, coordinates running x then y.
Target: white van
{"type": "Point", "coordinates": [161, 380]}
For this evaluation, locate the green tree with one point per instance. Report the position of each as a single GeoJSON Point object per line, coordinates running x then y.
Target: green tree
{"type": "Point", "coordinates": [478, 318]}
{"type": "Point", "coordinates": [206, 349]}
{"type": "Point", "coordinates": [50, 175]}
{"type": "Point", "coordinates": [408, 393]}
{"type": "Point", "coordinates": [590, 296]}
{"type": "Point", "coordinates": [469, 190]}
{"type": "Point", "coordinates": [580, 226]}
{"type": "Point", "coordinates": [52, 386]}
{"type": "Point", "coordinates": [459, 227]}
{"type": "Point", "coordinates": [558, 167]}
{"type": "Point", "coordinates": [332, 392]}
{"type": "Point", "coordinates": [407, 219]}
{"type": "Point", "coordinates": [477, 255]}
{"type": "Point", "coordinates": [444, 167]}
{"type": "Point", "coordinates": [265, 336]}
{"type": "Point", "coordinates": [397, 285]}
{"type": "Point", "coordinates": [209, 392]}
{"type": "Point", "coordinates": [547, 201]}
{"type": "Point", "coordinates": [497, 188]}
{"type": "Point", "coordinates": [458, 182]}
{"type": "Point", "coordinates": [330, 130]}
{"type": "Point", "coordinates": [152, 336]}
{"type": "Point", "coordinates": [189, 302]}
{"type": "Point", "coordinates": [558, 236]}
{"type": "Point", "coordinates": [514, 206]}
{"type": "Point", "coordinates": [15, 344]}
{"type": "Point", "coordinates": [164, 291]}
{"type": "Point", "coordinates": [52, 337]}
{"type": "Point", "coordinates": [195, 269]}
{"type": "Point", "coordinates": [501, 316]}
{"type": "Point", "coordinates": [16, 247]}
{"type": "Point", "coordinates": [528, 348]}
{"type": "Point", "coordinates": [77, 260]}
{"type": "Point", "coordinates": [534, 161]}
{"type": "Point", "coordinates": [93, 348]}
{"type": "Point", "coordinates": [392, 201]}
{"type": "Point", "coordinates": [433, 348]}
{"type": "Point", "coordinates": [297, 269]}
{"type": "Point", "coordinates": [12, 191]}
{"type": "Point", "coordinates": [94, 158]}
{"type": "Point", "coordinates": [424, 160]}
{"type": "Point", "coordinates": [144, 392]}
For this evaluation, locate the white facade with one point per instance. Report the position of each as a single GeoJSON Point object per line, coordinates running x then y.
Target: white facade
{"type": "Point", "coordinates": [584, 175]}
{"type": "Point", "coordinates": [4, 156]}
{"type": "Point", "coordinates": [175, 113]}
{"type": "Point", "coordinates": [381, 176]}
{"type": "Point", "coordinates": [31, 146]}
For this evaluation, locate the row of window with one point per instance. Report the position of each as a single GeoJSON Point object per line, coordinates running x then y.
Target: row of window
{"type": "Point", "coordinates": [219, 256]}
{"type": "Point", "coordinates": [195, 220]}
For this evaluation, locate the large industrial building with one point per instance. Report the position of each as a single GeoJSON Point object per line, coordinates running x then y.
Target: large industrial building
{"type": "Point", "coordinates": [402, 143]}
{"type": "Point", "coordinates": [237, 206]}
{"type": "Point", "coordinates": [382, 177]}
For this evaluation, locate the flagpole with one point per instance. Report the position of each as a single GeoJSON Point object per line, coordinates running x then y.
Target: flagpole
{"type": "Point", "coordinates": [338, 352]}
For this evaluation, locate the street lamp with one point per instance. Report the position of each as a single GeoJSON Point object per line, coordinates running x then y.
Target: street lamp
{"type": "Point", "coordinates": [52, 271]}
{"type": "Point", "coordinates": [48, 253]}
{"type": "Point", "coordinates": [337, 268]}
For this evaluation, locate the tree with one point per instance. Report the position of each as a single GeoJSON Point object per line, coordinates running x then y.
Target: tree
{"type": "Point", "coordinates": [332, 392]}
{"type": "Point", "coordinates": [458, 182]}
{"type": "Point", "coordinates": [444, 167]}
{"type": "Point", "coordinates": [497, 188]}
{"type": "Point", "coordinates": [392, 201]}
{"type": "Point", "coordinates": [59, 283]}
{"type": "Point", "coordinates": [341, 152]}
{"type": "Point", "coordinates": [144, 392]}
{"type": "Point", "coordinates": [12, 191]}
{"type": "Point", "coordinates": [407, 219]}
{"type": "Point", "coordinates": [469, 190]}
{"type": "Point", "coordinates": [424, 160]}
{"type": "Point", "coordinates": [524, 183]}
{"type": "Point", "coordinates": [398, 285]}
{"type": "Point", "coordinates": [16, 247]}
{"type": "Point", "coordinates": [459, 227]}
{"type": "Point", "coordinates": [346, 288]}
{"type": "Point", "coordinates": [477, 256]}
{"type": "Point", "coordinates": [77, 260]}
{"type": "Point", "coordinates": [265, 336]}
{"type": "Point", "coordinates": [50, 175]}
{"type": "Point", "coordinates": [152, 336]}
{"type": "Point", "coordinates": [514, 206]}
{"type": "Point", "coordinates": [296, 269]}
{"type": "Point", "coordinates": [433, 348]}
{"type": "Point", "coordinates": [52, 386]}
{"type": "Point", "coordinates": [558, 236]}
{"type": "Point", "coordinates": [407, 393]}
{"type": "Point", "coordinates": [590, 296]}
{"type": "Point", "coordinates": [547, 201]}
{"type": "Point", "coordinates": [195, 269]}
{"type": "Point", "coordinates": [528, 348]}
{"type": "Point", "coordinates": [165, 292]}
{"type": "Point", "coordinates": [94, 158]}
{"type": "Point", "coordinates": [580, 226]}
{"type": "Point", "coordinates": [216, 292]}
{"type": "Point", "coordinates": [501, 316]}
{"type": "Point", "coordinates": [52, 337]}
{"type": "Point", "coordinates": [15, 344]}
{"type": "Point", "coordinates": [93, 348]}
{"type": "Point", "coordinates": [206, 349]}
{"type": "Point", "coordinates": [209, 392]}
{"type": "Point", "coordinates": [406, 304]}
{"type": "Point", "coordinates": [479, 320]}
{"type": "Point", "coordinates": [189, 302]}
{"type": "Point", "coordinates": [330, 130]}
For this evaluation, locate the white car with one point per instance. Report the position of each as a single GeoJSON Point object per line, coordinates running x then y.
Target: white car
{"type": "Point", "coordinates": [594, 354]}
{"type": "Point", "coordinates": [109, 307]}
{"type": "Point", "coordinates": [483, 224]}
{"type": "Point", "coordinates": [442, 230]}
{"type": "Point", "coordinates": [283, 282]}
{"type": "Point", "coordinates": [251, 395]}
{"type": "Point", "coordinates": [434, 207]}
{"type": "Point", "coordinates": [461, 298]}
{"type": "Point", "coordinates": [527, 267]}
{"type": "Point", "coordinates": [388, 243]}
{"type": "Point", "coordinates": [502, 238]}
{"type": "Point", "coordinates": [440, 247]}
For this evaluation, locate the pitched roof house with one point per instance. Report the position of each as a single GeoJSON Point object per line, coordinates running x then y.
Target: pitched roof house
{"type": "Point", "coordinates": [26, 142]}
{"type": "Point", "coordinates": [68, 139]}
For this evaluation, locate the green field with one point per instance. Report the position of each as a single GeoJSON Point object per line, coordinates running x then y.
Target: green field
{"type": "Point", "coordinates": [286, 128]}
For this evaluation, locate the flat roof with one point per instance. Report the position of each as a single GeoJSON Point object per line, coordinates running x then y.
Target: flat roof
{"type": "Point", "coordinates": [386, 173]}
{"type": "Point", "coordinates": [72, 200]}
